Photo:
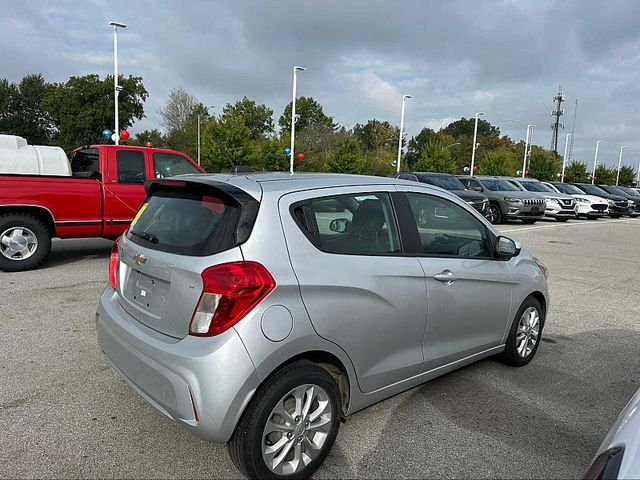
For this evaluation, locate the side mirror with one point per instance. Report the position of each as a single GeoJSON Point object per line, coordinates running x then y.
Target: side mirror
{"type": "Point", "coordinates": [508, 248]}
{"type": "Point", "coordinates": [339, 225]}
{"type": "Point", "coordinates": [477, 189]}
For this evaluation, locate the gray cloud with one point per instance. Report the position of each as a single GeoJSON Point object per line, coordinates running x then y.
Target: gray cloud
{"type": "Point", "coordinates": [504, 58]}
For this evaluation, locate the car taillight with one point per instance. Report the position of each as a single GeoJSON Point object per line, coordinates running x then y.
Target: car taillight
{"type": "Point", "coordinates": [230, 292]}
{"type": "Point", "coordinates": [113, 265]}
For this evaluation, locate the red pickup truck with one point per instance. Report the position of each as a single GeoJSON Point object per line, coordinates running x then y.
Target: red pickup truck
{"type": "Point", "coordinates": [99, 200]}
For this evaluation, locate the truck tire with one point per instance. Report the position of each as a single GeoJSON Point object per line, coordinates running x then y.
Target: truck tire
{"type": "Point", "coordinates": [25, 242]}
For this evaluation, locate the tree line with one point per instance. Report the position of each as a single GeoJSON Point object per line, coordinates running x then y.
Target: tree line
{"type": "Point", "coordinates": [245, 132]}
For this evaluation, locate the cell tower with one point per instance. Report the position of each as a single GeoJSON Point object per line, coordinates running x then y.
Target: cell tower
{"type": "Point", "coordinates": [556, 125]}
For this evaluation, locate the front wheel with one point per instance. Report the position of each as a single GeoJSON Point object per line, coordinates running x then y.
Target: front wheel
{"type": "Point", "coordinates": [290, 425]}
{"type": "Point", "coordinates": [25, 242]}
{"type": "Point", "coordinates": [524, 336]}
{"type": "Point", "coordinates": [493, 214]}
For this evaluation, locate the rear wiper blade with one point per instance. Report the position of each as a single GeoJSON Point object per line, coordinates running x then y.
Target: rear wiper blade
{"type": "Point", "coordinates": [145, 236]}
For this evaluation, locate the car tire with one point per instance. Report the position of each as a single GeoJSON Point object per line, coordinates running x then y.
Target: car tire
{"type": "Point", "coordinates": [529, 221]}
{"type": "Point", "coordinates": [21, 229]}
{"type": "Point", "coordinates": [494, 215]}
{"type": "Point", "coordinates": [251, 440]}
{"type": "Point", "coordinates": [527, 326]}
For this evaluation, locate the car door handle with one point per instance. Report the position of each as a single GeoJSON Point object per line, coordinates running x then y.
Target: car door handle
{"type": "Point", "coordinates": [446, 276]}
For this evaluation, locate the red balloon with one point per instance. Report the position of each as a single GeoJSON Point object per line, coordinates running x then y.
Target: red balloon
{"type": "Point", "coordinates": [475, 168]}
{"type": "Point", "coordinates": [125, 135]}
{"type": "Point", "coordinates": [526, 172]}
{"type": "Point", "coordinates": [300, 156]}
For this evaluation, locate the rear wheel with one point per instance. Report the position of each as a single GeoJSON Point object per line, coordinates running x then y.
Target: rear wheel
{"type": "Point", "coordinates": [493, 214]}
{"type": "Point", "coordinates": [290, 425]}
{"type": "Point", "coordinates": [25, 242]}
{"type": "Point", "coordinates": [524, 336]}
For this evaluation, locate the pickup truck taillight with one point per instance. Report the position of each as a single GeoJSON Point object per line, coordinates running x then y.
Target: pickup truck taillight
{"type": "Point", "coordinates": [113, 265]}
{"type": "Point", "coordinates": [230, 291]}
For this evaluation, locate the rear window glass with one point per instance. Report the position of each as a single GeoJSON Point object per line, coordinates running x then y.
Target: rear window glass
{"type": "Point", "coordinates": [86, 163]}
{"type": "Point", "coordinates": [194, 224]}
{"type": "Point", "coordinates": [169, 165]}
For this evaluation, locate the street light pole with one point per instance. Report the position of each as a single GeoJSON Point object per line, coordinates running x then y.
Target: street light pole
{"type": "Point", "coordinates": [404, 99]}
{"type": "Point", "coordinates": [526, 149]}
{"type": "Point", "coordinates": [595, 162]}
{"type": "Point", "coordinates": [475, 144]}
{"type": "Point", "coordinates": [116, 87]}
{"type": "Point", "coordinates": [564, 159]}
{"type": "Point", "coordinates": [622, 147]}
{"type": "Point", "coordinates": [293, 117]}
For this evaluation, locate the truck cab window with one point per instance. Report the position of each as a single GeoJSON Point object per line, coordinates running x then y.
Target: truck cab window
{"type": "Point", "coordinates": [85, 163]}
{"type": "Point", "coordinates": [168, 165]}
{"type": "Point", "coordinates": [131, 166]}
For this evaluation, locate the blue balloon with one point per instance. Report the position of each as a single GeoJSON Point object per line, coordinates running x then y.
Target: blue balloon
{"type": "Point", "coordinates": [106, 133]}
{"type": "Point", "coordinates": [394, 163]}
{"type": "Point", "coordinates": [287, 151]}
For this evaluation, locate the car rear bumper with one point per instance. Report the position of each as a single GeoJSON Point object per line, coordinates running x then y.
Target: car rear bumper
{"type": "Point", "coordinates": [202, 383]}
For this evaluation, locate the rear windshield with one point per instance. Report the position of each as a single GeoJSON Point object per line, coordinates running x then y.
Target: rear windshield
{"type": "Point", "coordinates": [444, 181]}
{"type": "Point", "coordinates": [186, 223]}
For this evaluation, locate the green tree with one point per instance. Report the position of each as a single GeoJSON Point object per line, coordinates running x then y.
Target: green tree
{"type": "Point", "coordinates": [544, 165]}
{"type": "Point", "coordinates": [375, 134]}
{"type": "Point", "coordinates": [22, 110]}
{"type": "Point", "coordinates": [309, 114]}
{"type": "Point", "coordinates": [498, 162]}
{"type": "Point", "coordinates": [180, 119]}
{"type": "Point", "coordinates": [257, 118]}
{"type": "Point", "coordinates": [417, 143]}
{"type": "Point", "coordinates": [465, 126]}
{"type": "Point", "coordinates": [223, 142]}
{"type": "Point", "coordinates": [577, 171]}
{"type": "Point", "coordinates": [605, 175]}
{"type": "Point", "coordinates": [435, 157]}
{"type": "Point", "coordinates": [627, 176]}
{"type": "Point", "coordinates": [346, 159]}
{"type": "Point", "coordinates": [83, 106]}
{"type": "Point", "coordinates": [154, 136]}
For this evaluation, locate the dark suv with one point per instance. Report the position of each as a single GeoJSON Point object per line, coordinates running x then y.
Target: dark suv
{"type": "Point", "coordinates": [448, 182]}
{"type": "Point", "coordinates": [618, 205]}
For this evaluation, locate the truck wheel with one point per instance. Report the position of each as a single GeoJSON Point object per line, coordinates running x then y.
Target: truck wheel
{"type": "Point", "coordinates": [24, 242]}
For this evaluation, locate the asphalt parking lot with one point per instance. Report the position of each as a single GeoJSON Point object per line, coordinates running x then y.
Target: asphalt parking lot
{"type": "Point", "coordinates": [65, 413]}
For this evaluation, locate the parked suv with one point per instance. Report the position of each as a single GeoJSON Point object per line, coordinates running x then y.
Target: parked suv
{"type": "Point", "coordinates": [589, 206]}
{"type": "Point", "coordinates": [449, 182]}
{"type": "Point", "coordinates": [560, 206]}
{"type": "Point", "coordinates": [506, 201]}
{"type": "Point", "coordinates": [262, 310]}
{"type": "Point", "coordinates": [633, 202]}
{"type": "Point", "coordinates": [618, 205]}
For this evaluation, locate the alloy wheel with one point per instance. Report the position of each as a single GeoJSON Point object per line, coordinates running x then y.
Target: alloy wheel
{"type": "Point", "coordinates": [528, 332]}
{"type": "Point", "coordinates": [18, 243]}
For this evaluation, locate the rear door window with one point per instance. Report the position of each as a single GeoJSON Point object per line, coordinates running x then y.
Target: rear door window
{"type": "Point", "coordinates": [85, 163]}
{"type": "Point", "coordinates": [131, 166]}
{"type": "Point", "coordinates": [169, 165]}
{"type": "Point", "coordinates": [186, 223]}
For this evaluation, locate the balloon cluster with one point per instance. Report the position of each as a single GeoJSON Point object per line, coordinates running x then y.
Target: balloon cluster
{"type": "Point", "coordinates": [467, 169]}
{"type": "Point", "coordinates": [124, 134]}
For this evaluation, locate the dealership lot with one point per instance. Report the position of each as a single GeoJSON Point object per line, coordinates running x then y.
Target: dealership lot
{"type": "Point", "coordinates": [65, 413]}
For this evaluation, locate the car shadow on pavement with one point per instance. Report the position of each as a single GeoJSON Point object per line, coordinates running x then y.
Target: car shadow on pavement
{"type": "Point", "coordinates": [489, 420]}
{"type": "Point", "coordinates": [64, 252]}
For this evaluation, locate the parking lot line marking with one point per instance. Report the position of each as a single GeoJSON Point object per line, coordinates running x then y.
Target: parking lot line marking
{"type": "Point", "coordinates": [591, 222]}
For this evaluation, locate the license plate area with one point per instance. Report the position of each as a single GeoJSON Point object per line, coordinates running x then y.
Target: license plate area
{"type": "Point", "coordinates": [149, 293]}
{"type": "Point", "coordinates": [535, 209]}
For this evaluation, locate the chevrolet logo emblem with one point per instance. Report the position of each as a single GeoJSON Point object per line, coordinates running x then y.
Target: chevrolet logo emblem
{"type": "Point", "coordinates": [140, 259]}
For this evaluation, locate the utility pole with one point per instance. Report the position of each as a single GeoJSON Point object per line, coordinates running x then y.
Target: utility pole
{"type": "Point", "coordinates": [556, 125]}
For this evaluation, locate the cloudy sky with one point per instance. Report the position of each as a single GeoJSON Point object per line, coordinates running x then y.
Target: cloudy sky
{"type": "Point", "coordinates": [504, 58]}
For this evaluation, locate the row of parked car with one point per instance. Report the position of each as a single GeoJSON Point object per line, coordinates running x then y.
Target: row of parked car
{"type": "Point", "coordinates": [512, 198]}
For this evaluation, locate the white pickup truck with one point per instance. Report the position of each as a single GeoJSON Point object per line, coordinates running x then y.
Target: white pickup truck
{"type": "Point", "coordinates": [17, 157]}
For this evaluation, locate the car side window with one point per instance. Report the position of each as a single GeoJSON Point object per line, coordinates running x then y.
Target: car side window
{"type": "Point", "coordinates": [169, 165]}
{"type": "Point", "coordinates": [448, 229]}
{"type": "Point", "coordinates": [131, 166]}
{"type": "Point", "coordinates": [355, 224]}
{"type": "Point", "coordinates": [85, 163]}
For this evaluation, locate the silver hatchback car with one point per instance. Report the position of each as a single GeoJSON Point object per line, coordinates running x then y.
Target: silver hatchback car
{"type": "Point", "coordinates": [262, 310]}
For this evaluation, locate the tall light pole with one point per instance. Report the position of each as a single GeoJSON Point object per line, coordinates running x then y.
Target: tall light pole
{"type": "Point", "coordinates": [638, 177]}
{"type": "Point", "coordinates": [595, 162]}
{"type": "Point", "coordinates": [475, 144]}
{"type": "Point", "coordinates": [622, 147]}
{"type": "Point", "coordinates": [530, 146]}
{"type": "Point", "coordinates": [116, 87]}
{"type": "Point", "coordinates": [404, 99]}
{"type": "Point", "coordinates": [564, 159]}
{"type": "Point", "coordinates": [293, 117]}
{"type": "Point", "coordinates": [527, 150]}
{"type": "Point", "coordinates": [199, 132]}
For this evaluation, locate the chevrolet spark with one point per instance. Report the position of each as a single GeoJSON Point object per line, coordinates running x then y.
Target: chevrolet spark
{"type": "Point", "coordinates": [262, 310]}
